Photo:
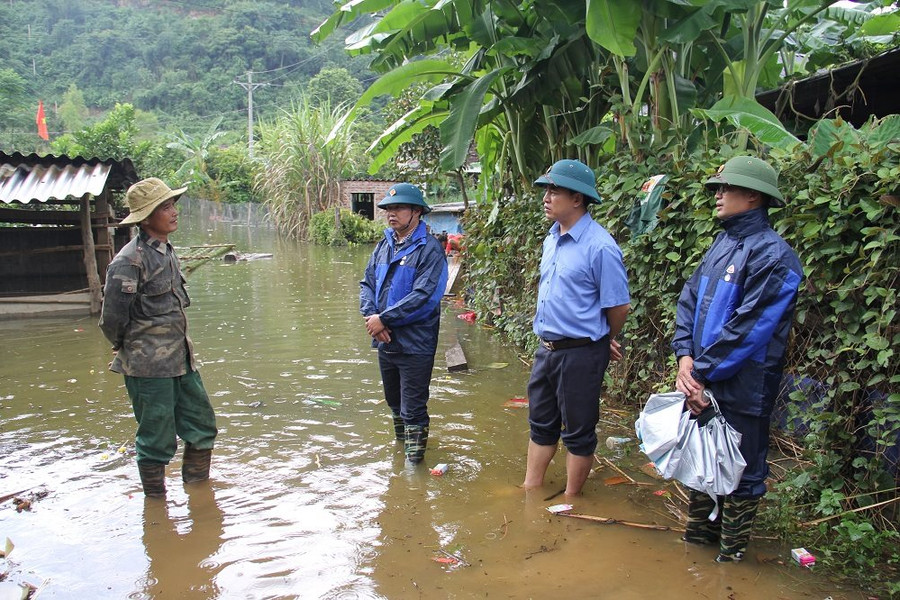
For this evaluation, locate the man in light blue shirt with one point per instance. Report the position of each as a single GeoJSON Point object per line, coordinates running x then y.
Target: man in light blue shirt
{"type": "Point", "coordinates": [583, 301]}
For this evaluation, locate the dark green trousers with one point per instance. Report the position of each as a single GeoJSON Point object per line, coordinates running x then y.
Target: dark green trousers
{"type": "Point", "coordinates": [168, 406]}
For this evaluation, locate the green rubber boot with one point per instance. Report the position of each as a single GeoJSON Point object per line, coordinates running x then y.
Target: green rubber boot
{"type": "Point", "coordinates": [737, 523]}
{"type": "Point", "coordinates": [153, 479]}
{"type": "Point", "coordinates": [196, 464]}
{"type": "Point", "coordinates": [399, 428]}
{"type": "Point", "coordinates": [699, 529]}
{"type": "Point", "coordinates": [416, 440]}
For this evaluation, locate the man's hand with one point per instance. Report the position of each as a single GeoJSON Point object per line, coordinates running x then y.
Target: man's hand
{"type": "Point", "coordinates": [689, 386]}
{"type": "Point", "coordinates": [376, 329]}
{"type": "Point", "coordinates": [615, 350]}
{"type": "Point", "coordinates": [374, 326]}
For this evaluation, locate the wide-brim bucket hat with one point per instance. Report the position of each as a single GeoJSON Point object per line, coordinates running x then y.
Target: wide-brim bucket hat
{"type": "Point", "coordinates": [751, 173]}
{"type": "Point", "coordinates": [404, 193]}
{"type": "Point", "coordinates": [144, 196]}
{"type": "Point", "coordinates": [573, 175]}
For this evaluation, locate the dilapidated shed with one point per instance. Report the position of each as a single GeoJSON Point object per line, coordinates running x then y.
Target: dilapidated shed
{"type": "Point", "coordinates": [56, 231]}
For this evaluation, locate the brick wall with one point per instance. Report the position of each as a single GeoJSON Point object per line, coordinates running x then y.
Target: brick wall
{"type": "Point", "coordinates": [377, 188]}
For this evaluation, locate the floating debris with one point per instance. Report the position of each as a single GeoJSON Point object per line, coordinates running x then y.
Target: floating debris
{"type": "Point", "coordinates": [516, 402]}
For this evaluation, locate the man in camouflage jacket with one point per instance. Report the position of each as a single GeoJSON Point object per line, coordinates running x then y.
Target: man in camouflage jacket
{"type": "Point", "coordinates": [143, 316]}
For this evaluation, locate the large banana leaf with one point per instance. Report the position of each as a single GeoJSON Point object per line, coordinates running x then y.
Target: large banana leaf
{"type": "Point", "coordinates": [402, 131]}
{"type": "Point", "coordinates": [395, 81]}
{"type": "Point", "coordinates": [748, 114]}
{"type": "Point", "coordinates": [346, 13]}
{"type": "Point", "coordinates": [459, 127]}
{"type": "Point", "coordinates": [613, 24]}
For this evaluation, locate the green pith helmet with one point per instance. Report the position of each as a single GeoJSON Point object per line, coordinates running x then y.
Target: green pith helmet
{"type": "Point", "coordinates": [751, 173]}
{"type": "Point", "coordinates": [573, 175]}
{"type": "Point", "coordinates": [405, 193]}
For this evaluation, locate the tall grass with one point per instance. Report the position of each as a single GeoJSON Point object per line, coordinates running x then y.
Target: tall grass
{"type": "Point", "coordinates": [301, 165]}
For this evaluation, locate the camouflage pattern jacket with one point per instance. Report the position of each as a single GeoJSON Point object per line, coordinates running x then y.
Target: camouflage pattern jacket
{"type": "Point", "coordinates": [143, 311]}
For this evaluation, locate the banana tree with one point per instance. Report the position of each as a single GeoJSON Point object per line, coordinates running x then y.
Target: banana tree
{"type": "Point", "coordinates": [529, 82]}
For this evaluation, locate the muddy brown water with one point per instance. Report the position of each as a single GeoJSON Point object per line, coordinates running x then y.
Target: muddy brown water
{"type": "Point", "coordinates": [310, 496]}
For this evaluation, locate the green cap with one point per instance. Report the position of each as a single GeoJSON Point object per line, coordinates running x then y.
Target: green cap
{"type": "Point", "coordinates": [405, 193]}
{"type": "Point", "coordinates": [573, 175]}
{"type": "Point", "coordinates": [751, 173]}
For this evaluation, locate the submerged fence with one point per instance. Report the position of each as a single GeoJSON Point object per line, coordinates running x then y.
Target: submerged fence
{"type": "Point", "coordinates": [247, 214]}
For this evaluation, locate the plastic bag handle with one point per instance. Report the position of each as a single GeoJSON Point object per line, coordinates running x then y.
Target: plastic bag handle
{"type": "Point", "coordinates": [712, 400]}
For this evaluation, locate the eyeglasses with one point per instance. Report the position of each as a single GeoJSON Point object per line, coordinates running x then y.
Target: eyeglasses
{"type": "Point", "coordinates": [393, 208]}
{"type": "Point", "coordinates": [724, 188]}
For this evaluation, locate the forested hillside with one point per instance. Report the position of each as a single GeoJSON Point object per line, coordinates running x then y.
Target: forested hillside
{"type": "Point", "coordinates": [179, 59]}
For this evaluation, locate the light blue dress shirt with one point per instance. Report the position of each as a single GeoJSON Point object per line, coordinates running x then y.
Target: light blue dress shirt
{"type": "Point", "coordinates": [582, 274]}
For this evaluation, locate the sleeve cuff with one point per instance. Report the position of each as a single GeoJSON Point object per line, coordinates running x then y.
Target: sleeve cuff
{"type": "Point", "coordinates": [700, 378]}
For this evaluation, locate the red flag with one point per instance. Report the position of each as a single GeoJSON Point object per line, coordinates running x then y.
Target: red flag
{"type": "Point", "coordinates": [41, 122]}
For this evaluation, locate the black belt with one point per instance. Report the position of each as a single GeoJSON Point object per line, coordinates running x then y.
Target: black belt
{"type": "Point", "coordinates": [565, 343]}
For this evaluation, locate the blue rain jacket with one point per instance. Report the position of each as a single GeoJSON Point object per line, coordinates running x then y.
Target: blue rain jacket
{"type": "Point", "coordinates": [735, 313]}
{"type": "Point", "coordinates": [405, 287]}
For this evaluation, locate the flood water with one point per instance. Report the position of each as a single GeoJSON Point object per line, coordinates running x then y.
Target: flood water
{"type": "Point", "coordinates": [310, 496]}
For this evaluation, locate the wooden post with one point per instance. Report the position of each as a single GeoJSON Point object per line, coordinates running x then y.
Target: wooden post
{"type": "Point", "coordinates": [105, 246]}
{"type": "Point", "coordinates": [90, 258]}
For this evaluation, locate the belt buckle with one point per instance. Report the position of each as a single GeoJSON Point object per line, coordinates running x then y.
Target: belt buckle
{"type": "Point", "coordinates": [548, 345]}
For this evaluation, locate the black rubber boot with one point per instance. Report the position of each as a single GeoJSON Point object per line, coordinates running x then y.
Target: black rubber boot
{"type": "Point", "coordinates": [416, 440]}
{"type": "Point", "coordinates": [699, 529]}
{"type": "Point", "coordinates": [196, 464]}
{"type": "Point", "coordinates": [737, 523]}
{"type": "Point", "coordinates": [399, 428]}
{"type": "Point", "coordinates": [153, 479]}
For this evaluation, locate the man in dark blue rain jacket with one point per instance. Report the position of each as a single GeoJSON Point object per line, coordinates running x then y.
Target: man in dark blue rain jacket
{"type": "Point", "coordinates": [732, 324]}
{"type": "Point", "coordinates": [400, 298]}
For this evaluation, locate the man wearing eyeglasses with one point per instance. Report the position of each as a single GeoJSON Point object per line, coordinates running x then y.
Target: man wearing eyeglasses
{"type": "Point", "coordinates": [400, 300]}
{"type": "Point", "coordinates": [583, 301]}
{"type": "Point", "coordinates": [732, 324]}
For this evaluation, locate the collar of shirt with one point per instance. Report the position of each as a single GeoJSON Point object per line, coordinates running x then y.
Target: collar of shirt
{"type": "Point", "coordinates": [155, 243]}
{"type": "Point", "coordinates": [577, 229]}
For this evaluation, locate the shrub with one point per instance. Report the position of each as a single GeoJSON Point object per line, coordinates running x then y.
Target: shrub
{"type": "Point", "coordinates": [355, 229]}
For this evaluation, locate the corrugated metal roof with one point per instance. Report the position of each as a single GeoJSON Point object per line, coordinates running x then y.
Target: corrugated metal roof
{"type": "Point", "coordinates": [42, 183]}
{"type": "Point", "coordinates": [35, 178]}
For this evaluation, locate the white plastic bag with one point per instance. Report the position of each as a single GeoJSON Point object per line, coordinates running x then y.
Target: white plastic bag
{"type": "Point", "coordinates": [706, 456]}
{"type": "Point", "coordinates": [657, 425]}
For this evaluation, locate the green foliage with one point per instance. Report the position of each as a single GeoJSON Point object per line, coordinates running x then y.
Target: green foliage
{"type": "Point", "coordinates": [355, 229]}
{"type": "Point", "coordinates": [195, 151]}
{"type": "Point", "coordinates": [333, 86]}
{"type": "Point", "coordinates": [233, 172]}
{"type": "Point", "coordinates": [179, 60]}
{"type": "Point", "coordinates": [73, 112]}
{"type": "Point", "coordinates": [113, 137]}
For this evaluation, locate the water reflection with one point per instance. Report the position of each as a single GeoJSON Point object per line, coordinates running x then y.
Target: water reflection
{"type": "Point", "coordinates": [310, 497]}
{"type": "Point", "coordinates": [181, 543]}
